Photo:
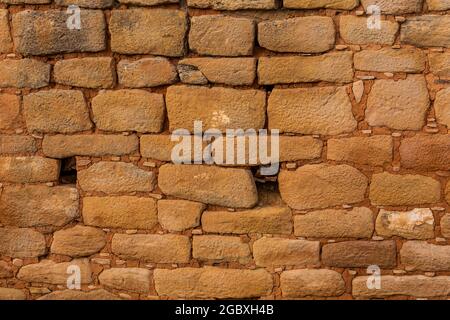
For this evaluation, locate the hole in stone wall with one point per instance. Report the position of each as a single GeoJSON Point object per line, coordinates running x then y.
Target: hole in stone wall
{"type": "Point", "coordinates": [68, 173]}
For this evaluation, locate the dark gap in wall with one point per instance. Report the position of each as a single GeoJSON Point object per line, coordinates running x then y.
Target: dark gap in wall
{"type": "Point", "coordinates": [68, 171]}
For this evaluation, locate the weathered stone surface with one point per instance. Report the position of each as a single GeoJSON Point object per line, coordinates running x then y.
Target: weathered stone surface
{"type": "Point", "coordinates": [447, 193]}
{"type": "Point", "coordinates": [430, 152]}
{"type": "Point", "coordinates": [438, 5]}
{"type": "Point", "coordinates": [5, 270]}
{"type": "Point", "coordinates": [331, 223]}
{"type": "Point", "coordinates": [219, 35]}
{"type": "Point", "coordinates": [95, 145]}
{"type": "Point", "coordinates": [12, 294]}
{"type": "Point", "coordinates": [271, 252]}
{"type": "Point", "coordinates": [230, 71]}
{"type": "Point", "coordinates": [78, 241]}
{"type": "Point", "coordinates": [220, 249]}
{"type": "Point", "coordinates": [321, 186]}
{"type": "Point", "coordinates": [46, 32]}
{"type": "Point", "coordinates": [299, 148]}
{"type": "Point", "coordinates": [445, 224]}
{"type": "Point", "coordinates": [85, 3]}
{"type": "Point", "coordinates": [400, 105]}
{"type": "Point", "coordinates": [426, 31]}
{"type": "Point", "coordinates": [220, 108]}
{"type": "Point", "coordinates": [56, 111]}
{"type": "Point", "coordinates": [440, 64]}
{"type": "Point", "coordinates": [6, 44]}
{"type": "Point", "coordinates": [307, 282]}
{"type": "Point", "coordinates": [128, 279]}
{"type": "Point", "coordinates": [48, 271]}
{"type": "Point", "coordinates": [213, 185]}
{"type": "Point", "coordinates": [209, 282]}
{"type": "Point", "coordinates": [21, 243]}
{"type": "Point", "coordinates": [403, 190]}
{"type": "Point", "coordinates": [276, 220]}
{"type": "Point", "coordinates": [232, 4]}
{"type": "Point", "coordinates": [34, 206]}
{"type": "Point", "coordinates": [373, 151]}
{"type": "Point", "coordinates": [354, 30]}
{"type": "Point", "coordinates": [157, 147]}
{"type": "Point", "coordinates": [391, 60]}
{"type": "Point", "coordinates": [17, 144]}
{"type": "Point", "coordinates": [304, 34]}
{"type": "Point", "coordinates": [85, 72]}
{"type": "Point", "coordinates": [28, 169]}
{"type": "Point", "coordinates": [24, 73]}
{"type": "Point", "coordinates": [169, 248]}
{"type": "Point", "coordinates": [128, 110]}
{"type": "Point", "coordinates": [423, 256]}
{"type": "Point", "coordinates": [394, 6]}
{"type": "Point", "coordinates": [442, 107]}
{"type": "Point", "coordinates": [360, 254]}
{"type": "Point", "coordinates": [414, 224]}
{"type": "Point", "coordinates": [130, 30]}
{"type": "Point", "coordinates": [416, 286]}
{"type": "Point", "coordinates": [179, 215]}
{"type": "Point", "coordinates": [148, 2]}
{"type": "Point", "coordinates": [329, 4]}
{"type": "Point", "coordinates": [10, 111]}
{"type": "Point", "coordinates": [147, 72]}
{"type": "Point", "coordinates": [326, 111]}
{"type": "Point", "coordinates": [330, 67]}
{"type": "Point", "coordinates": [98, 294]}
{"type": "Point", "coordinates": [115, 177]}
{"type": "Point", "coordinates": [124, 212]}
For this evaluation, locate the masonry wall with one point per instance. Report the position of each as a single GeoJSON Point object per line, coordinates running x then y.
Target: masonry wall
{"type": "Point", "coordinates": [85, 167]}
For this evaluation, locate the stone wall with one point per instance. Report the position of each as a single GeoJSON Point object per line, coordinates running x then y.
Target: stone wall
{"type": "Point", "coordinates": [87, 182]}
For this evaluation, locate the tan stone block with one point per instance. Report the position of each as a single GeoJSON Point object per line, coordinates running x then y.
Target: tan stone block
{"type": "Point", "coordinates": [426, 152]}
{"type": "Point", "coordinates": [6, 44]}
{"type": "Point", "coordinates": [220, 249]}
{"type": "Point", "coordinates": [354, 30]}
{"type": "Point", "coordinates": [147, 72]}
{"type": "Point", "coordinates": [440, 64]}
{"type": "Point", "coordinates": [98, 294]}
{"type": "Point", "coordinates": [438, 5]}
{"type": "Point", "coordinates": [21, 243]}
{"type": "Point", "coordinates": [442, 107]}
{"type": "Point", "coordinates": [10, 111]}
{"type": "Point", "coordinates": [24, 73]}
{"type": "Point", "coordinates": [28, 169]}
{"type": "Point", "coordinates": [127, 279]}
{"type": "Point", "coordinates": [179, 215]}
{"type": "Point", "coordinates": [78, 241]}
{"type": "Point", "coordinates": [17, 144]}
{"type": "Point", "coordinates": [329, 4]}
{"type": "Point", "coordinates": [394, 6]}
{"type": "Point", "coordinates": [5, 270]}
{"type": "Point", "coordinates": [409, 60]}
{"type": "Point", "coordinates": [426, 31]}
{"type": "Point", "coordinates": [12, 294]}
{"type": "Point", "coordinates": [445, 223]}
{"type": "Point", "coordinates": [307, 282]}
{"type": "Point", "coordinates": [232, 4]}
{"type": "Point", "coordinates": [423, 256]}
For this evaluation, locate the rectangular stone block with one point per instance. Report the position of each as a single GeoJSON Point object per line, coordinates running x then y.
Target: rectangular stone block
{"type": "Point", "coordinates": [10, 110]}
{"type": "Point", "coordinates": [17, 144]}
{"type": "Point", "coordinates": [94, 4]}
{"type": "Point", "coordinates": [414, 224]}
{"type": "Point", "coordinates": [391, 60]}
{"type": "Point", "coordinates": [440, 64]}
{"type": "Point", "coordinates": [316, 4]}
{"type": "Point", "coordinates": [21, 243]}
{"type": "Point", "coordinates": [438, 5]}
{"type": "Point", "coordinates": [28, 169]}
{"type": "Point", "coordinates": [85, 72]}
{"type": "Point", "coordinates": [355, 30]}
{"type": "Point", "coordinates": [179, 215]}
{"type": "Point", "coordinates": [232, 4]}
{"type": "Point", "coordinates": [147, 72]}
{"type": "Point", "coordinates": [394, 6]}
{"type": "Point", "coordinates": [24, 73]}
{"type": "Point", "coordinates": [426, 152]}
{"type": "Point", "coordinates": [309, 282]}
{"type": "Point", "coordinates": [126, 279]}
{"type": "Point", "coordinates": [423, 256]}
{"type": "Point", "coordinates": [6, 44]}
{"type": "Point", "coordinates": [426, 31]}
{"type": "Point", "coordinates": [220, 249]}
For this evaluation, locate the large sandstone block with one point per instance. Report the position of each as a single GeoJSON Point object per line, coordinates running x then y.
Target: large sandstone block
{"type": "Point", "coordinates": [304, 34]}
{"type": "Point", "coordinates": [445, 223]}
{"type": "Point", "coordinates": [127, 279]}
{"type": "Point", "coordinates": [12, 294]}
{"type": "Point", "coordinates": [95, 145]}
{"type": "Point", "coordinates": [360, 254]}
{"type": "Point", "coordinates": [426, 31]}
{"type": "Point", "coordinates": [124, 212]}
{"type": "Point", "coordinates": [218, 35]}
{"type": "Point", "coordinates": [232, 4]}
{"type": "Point", "coordinates": [415, 224]}
{"type": "Point", "coordinates": [426, 152]}
{"type": "Point", "coordinates": [299, 148]}
{"type": "Point", "coordinates": [325, 110]}
{"type": "Point", "coordinates": [148, 2]}
{"type": "Point", "coordinates": [354, 30]}
{"type": "Point", "coordinates": [330, 67]}
{"type": "Point", "coordinates": [403, 190]}
{"type": "Point", "coordinates": [115, 177]}
{"type": "Point", "coordinates": [78, 241]}
{"type": "Point", "coordinates": [329, 4]}
{"type": "Point", "coordinates": [220, 249]}
{"type": "Point", "coordinates": [38, 206]}
{"type": "Point", "coordinates": [440, 64]}
{"type": "Point", "coordinates": [46, 32]}
{"type": "Point", "coordinates": [169, 248]}
{"type": "Point", "coordinates": [50, 272]}
{"type": "Point", "coordinates": [10, 144]}
{"type": "Point", "coordinates": [442, 107]}
{"type": "Point", "coordinates": [394, 6]}
{"type": "Point", "coordinates": [21, 243]}
{"type": "Point", "coordinates": [409, 60]}
{"type": "Point", "coordinates": [56, 111]}
{"type": "Point", "coordinates": [276, 220]}
{"type": "Point", "coordinates": [179, 215]}
{"type": "Point", "coordinates": [423, 256]}
{"type": "Point", "coordinates": [147, 72]}
{"type": "Point", "coordinates": [400, 105]}
{"type": "Point", "coordinates": [5, 270]}
{"type": "Point", "coordinates": [219, 108]}
{"type": "Point", "coordinates": [213, 185]}
{"type": "Point", "coordinates": [97, 294]}
{"type": "Point", "coordinates": [210, 282]}
{"type": "Point", "coordinates": [28, 169]}
{"type": "Point", "coordinates": [271, 252]}
{"type": "Point", "coordinates": [6, 44]}
{"type": "Point", "coordinates": [10, 111]}
{"type": "Point", "coordinates": [438, 5]}
{"type": "Point", "coordinates": [321, 186]}
{"type": "Point", "coordinates": [85, 72]}
{"type": "Point", "coordinates": [331, 223]}
{"type": "Point", "coordinates": [308, 282]}
{"type": "Point", "coordinates": [24, 73]}
{"type": "Point", "coordinates": [373, 151]}
{"type": "Point", "coordinates": [131, 29]}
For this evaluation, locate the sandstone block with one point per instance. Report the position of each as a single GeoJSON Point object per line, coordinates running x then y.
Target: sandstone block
{"type": "Point", "coordinates": [442, 107]}
{"type": "Point", "coordinates": [147, 72]}
{"type": "Point", "coordinates": [17, 144]}
{"type": "Point", "coordinates": [426, 152]}
{"type": "Point", "coordinates": [308, 282]}
{"type": "Point", "coordinates": [78, 241]}
{"type": "Point", "coordinates": [179, 215]}
{"type": "Point", "coordinates": [391, 60]}
{"type": "Point", "coordinates": [395, 6]}
{"type": "Point", "coordinates": [85, 72]}
{"type": "Point", "coordinates": [426, 31]}
{"type": "Point", "coordinates": [354, 30]}
{"type": "Point", "coordinates": [232, 4]}
{"type": "Point", "coordinates": [445, 224]}
{"type": "Point", "coordinates": [6, 44]}
{"type": "Point", "coordinates": [440, 64]}
{"type": "Point", "coordinates": [98, 294]}
{"type": "Point", "coordinates": [220, 249]}
{"type": "Point", "coordinates": [438, 5]}
{"type": "Point", "coordinates": [12, 294]}
{"type": "Point", "coordinates": [128, 279]}
{"type": "Point", "coordinates": [10, 111]}
{"type": "Point", "coordinates": [24, 73]}
{"type": "Point", "coordinates": [329, 4]}
{"type": "Point", "coordinates": [21, 243]}
{"type": "Point", "coordinates": [28, 169]}
{"type": "Point", "coordinates": [423, 256]}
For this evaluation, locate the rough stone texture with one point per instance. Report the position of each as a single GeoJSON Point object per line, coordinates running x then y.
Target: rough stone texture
{"type": "Point", "coordinates": [354, 30]}
{"type": "Point", "coordinates": [426, 152]}
{"type": "Point", "coordinates": [400, 105]}
{"type": "Point", "coordinates": [394, 6]}
{"type": "Point", "coordinates": [169, 248]}
{"type": "Point", "coordinates": [326, 111]}
{"type": "Point", "coordinates": [98, 294]}
{"type": "Point", "coordinates": [426, 31]}
{"type": "Point", "coordinates": [321, 186]}
{"type": "Point", "coordinates": [6, 44]}
{"type": "Point", "coordinates": [440, 64]}
{"type": "Point", "coordinates": [391, 60]}
{"type": "Point", "coordinates": [212, 185]}
{"type": "Point", "coordinates": [331, 223]}
{"type": "Point", "coordinates": [360, 254]}
{"type": "Point", "coordinates": [128, 279]}
{"type": "Point", "coordinates": [329, 4]}
{"type": "Point", "coordinates": [447, 193]}
{"type": "Point", "coordinates": [21, 243]}
{"type": "Point", "coordinates": [115, 177]}
{"type": "Point", "coordinates": [84, 3]}
{"type": "Point", "coordinates": [299, 148]}
{"type": "Point", "coordinates": [10, 111]}
{"type": "Point", "coordinates": [147, 72]}
{"type": "Point", "coordinates": [85, 72]}
{"type": "Point", "coordinates": [271, 252]}
{"type": "Point", "coordinates": [33, 206]}
{"type": "Point", "coordinates": [373, 151]}
{"type": "Point", "coordinates": [220, 249]}
{"type": "Point", "coordinates": [213, 282]}
{"type": "Point", "coordinates": [276, 220]}
{"type": "Point", "coordinates": [403, 190]}
{"type": "Point", "coordinates": [423, 256]}
{"type": "Point", "coordinates": [78, 241]}
{"type": "Point", "coordinates": [414, 224]}
{"type": "Point", "coordinates": [179, 215]}
{"type": "Point", "coordinates": [24, 73]}
{"type": "Point", "coordinates": [12, 294]}
{"type": "Point", "coordinates": [304, 34]}
{"type": "Point", "coordinates": [17, 144]}
{"type": "Point", "coordinates": [442, 107]}
{"type": "Point", "coordinates": [306, 282]}
{"type": "Point", "coordinates": [5, 270]}
{"type": "Point", "coordinates": [232, 4]}
{"type": "Point", "coordinates": [445, 225]}
{"type": "Point", "coordinates": [438, 5]}
{"type": "Point", "coordinates": [148, 2]}
{"type": "Point", "coordinates": [28, 169]}
{"type": "Point", "coordinates": [124, 212]}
